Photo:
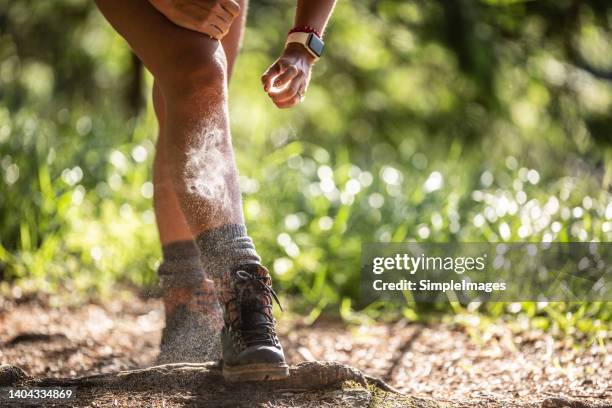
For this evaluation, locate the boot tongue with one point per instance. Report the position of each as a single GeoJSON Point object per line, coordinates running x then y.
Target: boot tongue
{"type": "Point", "coordinates": [255, 310]}
{"type": "Point", "coordinates": [254, 291]}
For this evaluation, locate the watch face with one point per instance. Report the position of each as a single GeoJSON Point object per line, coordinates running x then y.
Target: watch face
{"type": "Point", "coordinates": [315, 44]}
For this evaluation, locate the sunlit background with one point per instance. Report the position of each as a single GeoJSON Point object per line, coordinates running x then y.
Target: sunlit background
{"type": "Point", "coordinates": [429, 121]}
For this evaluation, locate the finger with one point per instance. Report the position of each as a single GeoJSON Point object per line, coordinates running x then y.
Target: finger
{"type": "Point", "coordinates": [221, 24]}
{"type": "Point", "coordinates": [184, 19]}
{"type": "Point", "coordinates": [284, 77]}
{"type": "Point", "coordinates": [193, 17]}
{"type": "Point", "coordinates": [230, 6]}
{"type": "Point", "coordinates": [212, 30]}
{"type": "Point", "coordinates": [270, 74]}
{"type": "Point", "coordinates": [195, 8]}
{"type": "Point", "coordinates": [290, 90]}
{"type": "Point", "coordinates": [223, 14]}
{"type": "Point", "coordinates": [195, 11]}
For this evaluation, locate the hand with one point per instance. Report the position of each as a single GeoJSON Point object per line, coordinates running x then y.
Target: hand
{"type": "Point", "coordinates": [210, 17]}
{"type": "Point", "coordinates": [287, 79]}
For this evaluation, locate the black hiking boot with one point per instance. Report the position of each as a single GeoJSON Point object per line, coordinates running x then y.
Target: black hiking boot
{"type": "Point", "coordinates": [251, 349]}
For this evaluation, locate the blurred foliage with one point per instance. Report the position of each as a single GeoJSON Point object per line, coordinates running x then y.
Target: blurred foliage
{"type": "Point", "coordinates": [446, 120]}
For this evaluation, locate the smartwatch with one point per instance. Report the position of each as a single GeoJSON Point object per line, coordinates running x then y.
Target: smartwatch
{"type": "Point", "coordinates": [312, 42]}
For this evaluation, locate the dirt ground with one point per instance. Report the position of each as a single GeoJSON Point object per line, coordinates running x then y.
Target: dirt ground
{"type": "Point", "coordinates": [497, 368]}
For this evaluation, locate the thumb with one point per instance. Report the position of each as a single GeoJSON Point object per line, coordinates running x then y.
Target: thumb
{"type": "Point", "coordinates": [270, 74]}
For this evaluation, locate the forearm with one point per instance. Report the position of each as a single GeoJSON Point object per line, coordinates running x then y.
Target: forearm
{"type": "Point", "coordinates": [314, 13]}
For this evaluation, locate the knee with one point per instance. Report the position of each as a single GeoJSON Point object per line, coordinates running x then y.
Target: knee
{"type": "Point", "coordinates": [196, 72]}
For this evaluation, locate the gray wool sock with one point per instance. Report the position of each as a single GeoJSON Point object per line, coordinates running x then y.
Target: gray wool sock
{"type": "Point", "coordinates": [193, 324]}
{"type": "Point", "coordinates": [181, 266]}
{"type": "Point", "coordinates": [225, 248]}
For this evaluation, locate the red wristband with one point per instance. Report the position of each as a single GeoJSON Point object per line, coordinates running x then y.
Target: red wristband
{"type": "Point", "coordinates": [305, 29]}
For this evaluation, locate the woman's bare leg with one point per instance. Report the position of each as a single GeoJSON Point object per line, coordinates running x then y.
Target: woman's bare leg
{"type": "Point", "coordinates": [171, 222]}
{"type": "Point", "coordinates": [190, 104]}
{"type": "Point", "coordinates": [190, 70]}
{"type": "Point", "coordinates": [193, 317]}
{"type": "Point", "coordinates": [192, 312]}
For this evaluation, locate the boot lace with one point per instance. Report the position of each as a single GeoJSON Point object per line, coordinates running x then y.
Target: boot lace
{"type": "Point", "coordinates": [254, 295]}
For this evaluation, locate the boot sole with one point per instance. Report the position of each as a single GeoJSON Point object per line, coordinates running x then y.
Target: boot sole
{"type": "Point", "coordinates": [255, 372]}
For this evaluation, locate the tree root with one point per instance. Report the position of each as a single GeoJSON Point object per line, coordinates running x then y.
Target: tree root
{"type": "Point", "coordinates": [310, 384]}
{"type": "Point", "coordinates": [304, 377]}
{"type": "Point", "coordinates": [11, 375]}
{"type": "Point", "coordinates": [572, 403]}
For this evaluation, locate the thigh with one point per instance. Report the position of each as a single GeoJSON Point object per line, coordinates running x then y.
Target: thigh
{"type": "Point", "coordinates": [232, 41]}
{"type": "Point", "coordinates": [164, 48]}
